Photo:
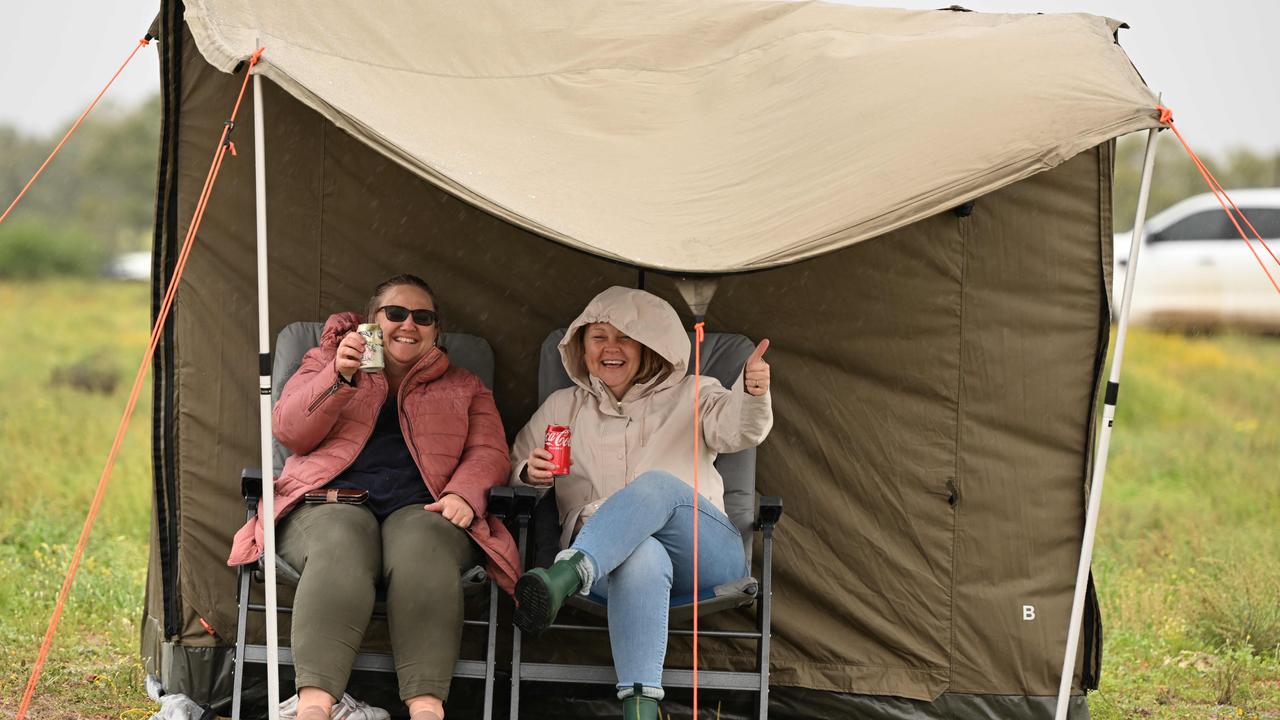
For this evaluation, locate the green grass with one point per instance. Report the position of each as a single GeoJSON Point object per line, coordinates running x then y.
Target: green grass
{"type": "Point", "coordinates": [1188, 555]}
{"type": "Point", "coordinates": [55, 440]}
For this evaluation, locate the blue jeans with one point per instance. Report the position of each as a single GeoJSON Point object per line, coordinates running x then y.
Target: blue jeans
{"type": "Point", "coordinates": [640, 544]}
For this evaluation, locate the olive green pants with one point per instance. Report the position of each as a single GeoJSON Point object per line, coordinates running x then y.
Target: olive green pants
{"type": "Point", "coordinates": [343, 553]}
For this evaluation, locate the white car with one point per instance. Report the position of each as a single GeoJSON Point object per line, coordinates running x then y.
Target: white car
{"type": "Point", "coordinates": [130, 266]}
{"type": "Point", "coordinates": [1195, 271]}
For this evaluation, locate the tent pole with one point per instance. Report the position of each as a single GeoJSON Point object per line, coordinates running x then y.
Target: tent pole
{"type": "Point", "coordinates": [1104, 439]}
{"type": "Point", "coordinates": [264, 404]}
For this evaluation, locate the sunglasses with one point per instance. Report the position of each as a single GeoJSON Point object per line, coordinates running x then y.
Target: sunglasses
{"type": "Point", "coordinates": [422, 318]}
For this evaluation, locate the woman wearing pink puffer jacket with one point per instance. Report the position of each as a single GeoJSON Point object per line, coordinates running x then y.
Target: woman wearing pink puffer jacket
{"type": "Point", "coordinates": [424, 440]}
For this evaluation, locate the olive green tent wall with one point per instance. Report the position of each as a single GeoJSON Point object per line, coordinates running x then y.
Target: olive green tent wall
{"type": "Point", "coordinates": [934, 391]}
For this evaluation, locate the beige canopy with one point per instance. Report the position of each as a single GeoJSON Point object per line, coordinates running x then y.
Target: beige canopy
{"type": "Point", "coordinates": [707, 136]}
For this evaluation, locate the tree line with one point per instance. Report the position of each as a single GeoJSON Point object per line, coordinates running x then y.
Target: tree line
{"type": "Point", "coordinates": [1176, 178]}
{"type": "Point", "coordinates": [94, 201]}
{"type": "Point", "coordinates": [97, 198]}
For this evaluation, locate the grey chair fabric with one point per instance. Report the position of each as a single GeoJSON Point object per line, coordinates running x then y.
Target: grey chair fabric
{"type": "Point", "coordinates": [723, 357]}
{"type": "Point", "coordinates": [467, 351]}
{"type": "Point", "coordinates": [733, 594]}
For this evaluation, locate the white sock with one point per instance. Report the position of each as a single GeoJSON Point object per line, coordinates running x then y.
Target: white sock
{"type": "Point", "coordinates": [645, 691]}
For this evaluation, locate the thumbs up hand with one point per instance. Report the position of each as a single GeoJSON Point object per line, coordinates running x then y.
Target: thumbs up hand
{"type": "Point", "coordinates": [756, 373]}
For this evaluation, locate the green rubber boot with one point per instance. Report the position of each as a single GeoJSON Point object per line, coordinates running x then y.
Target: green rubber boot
{"type": "Point", "coordinates": [639, 707]}
{"type": "Point", "coordinates": [540, 593]}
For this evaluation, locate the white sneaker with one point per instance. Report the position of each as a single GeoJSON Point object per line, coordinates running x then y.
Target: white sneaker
{"type": "Point", "coordinates": [348, 708]}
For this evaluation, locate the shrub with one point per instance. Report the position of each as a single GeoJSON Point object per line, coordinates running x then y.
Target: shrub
{"type": "Point", "coordinates": [93, 373]}
{"type": "Point", "coordinates": [1240, 608]}
{"type": "Point", "coordinates": [35, 250]}
{"type": "Point", "coordinates": [1235, 669]}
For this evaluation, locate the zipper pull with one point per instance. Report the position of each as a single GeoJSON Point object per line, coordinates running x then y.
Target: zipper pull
{"type": "Point", "coordinates": [324, 396]}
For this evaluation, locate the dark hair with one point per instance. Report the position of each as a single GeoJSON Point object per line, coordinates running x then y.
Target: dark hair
{"type": "Point", "coordinates": [395, 281]}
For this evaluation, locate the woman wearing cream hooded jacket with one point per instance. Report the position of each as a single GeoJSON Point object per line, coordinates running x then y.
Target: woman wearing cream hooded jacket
{"type": "Point", "coordinates": [626, 506]}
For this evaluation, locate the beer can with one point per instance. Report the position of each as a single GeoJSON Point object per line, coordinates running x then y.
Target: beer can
{"type": "Point", "coordinates": [557, 444]}
{"type": "Point", "coordinates": [371, 360]}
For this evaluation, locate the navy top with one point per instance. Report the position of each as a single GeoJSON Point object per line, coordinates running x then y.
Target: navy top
{"type": "Point", "coordinates": [385, 468]}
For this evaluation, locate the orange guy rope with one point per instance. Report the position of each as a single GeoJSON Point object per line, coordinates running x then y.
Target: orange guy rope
{"type": "Point", "coordinates": [1219, 193]}
{"type": "Point", "coordinates": [697, 442]}
{"type": "Point", "coordinates": [219, 153]}
{"type": "Point", "coordinates": [144, 41]}
{"type": "Point", "coordinates": [1166, 117]}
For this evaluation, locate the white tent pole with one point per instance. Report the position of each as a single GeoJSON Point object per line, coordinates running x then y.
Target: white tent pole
{"type": "Point", "coordinates": [1104, 439]}
{"type": "Point", "coordinates": [264, 403]}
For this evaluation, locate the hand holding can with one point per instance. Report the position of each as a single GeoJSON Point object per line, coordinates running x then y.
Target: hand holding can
{"type": "Point", "coordinates": [538, 467]}
{"type": "Point", "coordinates": [347, 358]}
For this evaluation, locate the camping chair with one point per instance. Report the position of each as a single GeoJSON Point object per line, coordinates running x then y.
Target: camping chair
{"type": "Point", "coordinates": [292, 343]}
{"type": "Point", "coordinates": [723, 357]}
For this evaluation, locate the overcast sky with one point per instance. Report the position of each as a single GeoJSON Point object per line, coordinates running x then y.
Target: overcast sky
{"type": "Point", "coordinates": [1215, 62]}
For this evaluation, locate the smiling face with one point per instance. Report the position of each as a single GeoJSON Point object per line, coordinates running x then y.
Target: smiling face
{"type": "Point", "coordinates": [611, 356]}
{"type": "Point", "coordinates": [404, 343]}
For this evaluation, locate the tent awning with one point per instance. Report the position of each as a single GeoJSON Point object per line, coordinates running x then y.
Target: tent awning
{"type": "Point", "coordinates": [702, 137]}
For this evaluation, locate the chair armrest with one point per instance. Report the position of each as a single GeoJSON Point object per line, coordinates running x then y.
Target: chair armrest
{"type": "Point", "coordinates": [500, 501]}
{"type": "Point", "coordinates": [526, 498]}
{"type": "Point", "coordinates": [768, 511]}
{"type": "Point", "coordinates": [251, 482]}
{"type": "Point", "coordinates": [512, 502]}
{"type": "Point", "coordinates": [251, 487]}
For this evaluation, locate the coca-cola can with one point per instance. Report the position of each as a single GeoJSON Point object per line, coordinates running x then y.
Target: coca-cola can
{"type": "Point", "coordinates": [557, 444]}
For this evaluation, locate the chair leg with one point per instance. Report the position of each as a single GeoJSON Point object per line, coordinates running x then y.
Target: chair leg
{"type": "Point", "coordinates": [491, 652]}
{"type": "Point", "coordinates": [514, 712]}
{"type": "Point", "coordinates": [765, 620]}
{"type": "Point", "coordinates": [242, 616]}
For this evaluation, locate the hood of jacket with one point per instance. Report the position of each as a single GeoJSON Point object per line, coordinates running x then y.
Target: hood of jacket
{"type": "Point", "coordinates": [645, 318]}
{"type": "Point", "coordinates": [337, 327]}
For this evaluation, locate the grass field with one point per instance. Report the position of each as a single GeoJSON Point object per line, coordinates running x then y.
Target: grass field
{"type": "Point", "coordinates": [55, 439]}
{"type": "Point", "coordinates": [1188, 558]}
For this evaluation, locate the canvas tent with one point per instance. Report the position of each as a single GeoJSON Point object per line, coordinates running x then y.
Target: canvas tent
{"type": "Point", "coordinates": [934, 389]}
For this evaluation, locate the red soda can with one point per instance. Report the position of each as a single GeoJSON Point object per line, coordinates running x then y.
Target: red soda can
{"type": "Point", "coordinates": [557, 444]}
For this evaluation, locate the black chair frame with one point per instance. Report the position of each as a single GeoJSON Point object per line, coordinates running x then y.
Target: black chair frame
{"type": "Point", "coordinates": [503, 504]}
{"type": "Point", "coordinates": [768, 512]}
